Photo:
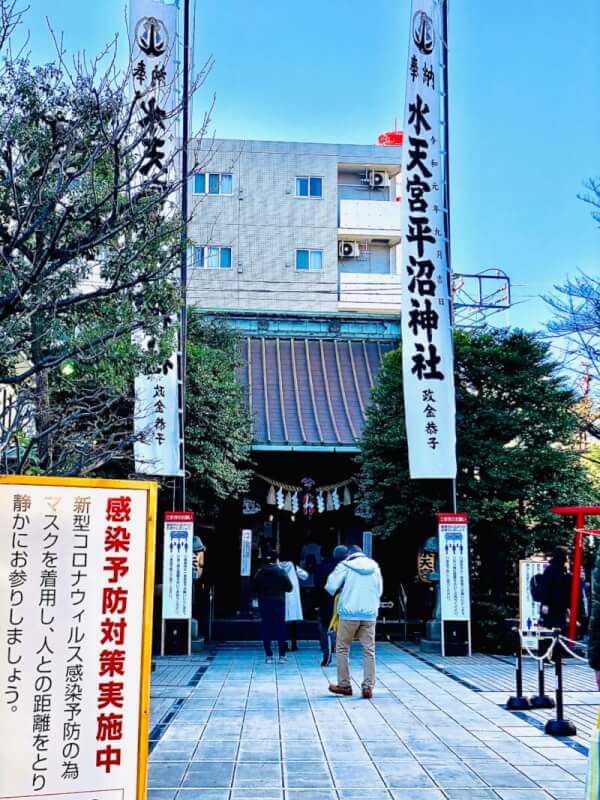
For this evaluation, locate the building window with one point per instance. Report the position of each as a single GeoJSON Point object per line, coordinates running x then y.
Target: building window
{"type": "Point", "coordinates": [309, 260]}
{"type": "Point", "coordinates": [309, 187]}
{"type": "Point", "coordinates": [209, 257]}
{"type": "Point", "coordinates": [213, 183]}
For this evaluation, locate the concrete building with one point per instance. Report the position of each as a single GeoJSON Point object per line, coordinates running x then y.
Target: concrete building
{"type": "Point", "coordinates": [294, 226]}
{"type": "Point", "coordinates": [296, 246]}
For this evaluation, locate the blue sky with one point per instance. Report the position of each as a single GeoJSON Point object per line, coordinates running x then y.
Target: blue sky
{"type": "Point", "coordinates": [525, 107]}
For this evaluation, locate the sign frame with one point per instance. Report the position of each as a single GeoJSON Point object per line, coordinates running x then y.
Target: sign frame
{"type": "Point", "coordinates": [151, 489]}
{"type": "Point", "coordinates": [185, 517]}
{"type": "Point", "coordinates": [531, 634]}
{"type": "Point", "coordinates": [462, 519]}
{"type": "Point", "coordinates": [181, 518]}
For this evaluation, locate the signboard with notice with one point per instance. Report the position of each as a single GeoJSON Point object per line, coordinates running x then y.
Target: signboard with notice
{"type": "Point", "coordinates": [178, 564]}
{"type": "Point", "coordinates": [76, 589]}
{"type": "Point", "coordinates": [454, 583]}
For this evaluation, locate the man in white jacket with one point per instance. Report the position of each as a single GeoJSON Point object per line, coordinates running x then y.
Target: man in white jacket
{"type": "Point", "coordinates": [359, 579]}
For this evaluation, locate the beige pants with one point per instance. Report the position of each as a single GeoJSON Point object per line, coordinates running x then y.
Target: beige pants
{"type": "Point", "coordinates": [364, 631]}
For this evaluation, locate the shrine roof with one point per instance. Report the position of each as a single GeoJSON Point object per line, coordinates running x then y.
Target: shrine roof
{"type": "Point", "coordinates": [309, 393]}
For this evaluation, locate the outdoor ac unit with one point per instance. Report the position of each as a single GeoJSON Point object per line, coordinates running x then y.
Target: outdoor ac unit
{"type": "Point", "coordinates": [377, 180]}
{"type": "Point", "coordinates": [348, 250]}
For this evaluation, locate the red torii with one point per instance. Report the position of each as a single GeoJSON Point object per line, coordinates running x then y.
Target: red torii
{"type": "Point", "coordinates": [580, 513]}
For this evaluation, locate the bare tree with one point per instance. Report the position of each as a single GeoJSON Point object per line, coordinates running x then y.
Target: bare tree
{"type": "Point", "coordinates": [90, 244]}
{"type": "Point", "coordinates": [576, 320]}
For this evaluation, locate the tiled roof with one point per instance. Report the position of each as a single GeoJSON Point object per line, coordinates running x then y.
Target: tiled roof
{"type": "Point", "coordinates": [309, 391]}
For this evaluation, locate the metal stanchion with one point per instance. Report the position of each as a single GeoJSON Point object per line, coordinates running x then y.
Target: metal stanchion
{"type": "Point", "coordinates": [559, 726]}
{"type": "Point", "coordinates": [518, 702]}
{"type": "Point", "coordinates": [541, 699]}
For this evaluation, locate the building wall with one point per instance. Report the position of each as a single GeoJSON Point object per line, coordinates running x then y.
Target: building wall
{"type": "Point", "coordinates": [264, 223]}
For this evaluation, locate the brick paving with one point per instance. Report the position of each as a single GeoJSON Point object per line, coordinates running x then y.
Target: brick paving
{"type": "Point", "coordinates": [227, 726]}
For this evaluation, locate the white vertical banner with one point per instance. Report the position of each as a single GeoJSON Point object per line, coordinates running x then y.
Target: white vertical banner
{"type": "Point", "coordinates": [153, 35]}
{"type": "Point", "coordinates": [454, 567]}
{"type": "Point", "coordinates": [156, 423]}
{"type": "Point", "coordinates": [246, 554]}
{"type": "Point", "coordinates": [426, 326]}
{"type": "Point", "coordinates": [178, 557]}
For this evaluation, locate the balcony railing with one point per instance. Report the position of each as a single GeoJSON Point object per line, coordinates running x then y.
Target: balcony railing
{"type": "Point", "coordinates": [367, 215]}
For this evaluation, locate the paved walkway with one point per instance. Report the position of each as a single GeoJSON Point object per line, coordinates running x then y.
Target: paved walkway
{"type": "Point", "coordinates": [494, 678]}
{"type": "Point", "coordinates": [227, 726]}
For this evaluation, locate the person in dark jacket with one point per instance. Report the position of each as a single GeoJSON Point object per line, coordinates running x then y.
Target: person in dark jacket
{"type": "Point", "coordinates": [271, 584]}
{"type": "Point", "coordinates": [325, 601]}
{"type": "Point", "coordinates": [556, 591]}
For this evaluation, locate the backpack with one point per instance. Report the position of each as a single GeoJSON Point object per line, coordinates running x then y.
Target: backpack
{"type": "Point", "coordinates": [535, 586]}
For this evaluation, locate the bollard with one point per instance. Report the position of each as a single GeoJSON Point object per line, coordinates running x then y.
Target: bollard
{"type": "Point", "coordinates": [559, 726]}
{"type": "Point", "coordinates": [541, 699]}
{"type": "Point", "coordinates": [518, 702]}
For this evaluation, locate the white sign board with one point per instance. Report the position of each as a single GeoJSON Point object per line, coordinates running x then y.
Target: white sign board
{"type": "Point", "coordinates": [178, 558]}
{"type": "Point", "coordinates": [427, 359]}
{"type": "Point", "coordinates": [529, 609]}
{"type": "Point", "coordinates": [368, 544]}
{"type": "Point", "coordinates": [76, 580]}
{"type": "Point", "coordinates": [454, 567]}
{"type": "Point", "coordinates": [246, 558]}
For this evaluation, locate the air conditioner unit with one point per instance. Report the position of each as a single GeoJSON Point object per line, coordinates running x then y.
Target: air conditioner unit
{"type": "Point", "coordinates": [377, 180]}
{"type": "Point", "coordinates": [348, 249]}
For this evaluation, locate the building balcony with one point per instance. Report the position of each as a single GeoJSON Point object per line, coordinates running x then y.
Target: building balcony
{"type": "Point", "coordinates": [369, 293]}
{"type": "Point", "coordinates": [369, 218]}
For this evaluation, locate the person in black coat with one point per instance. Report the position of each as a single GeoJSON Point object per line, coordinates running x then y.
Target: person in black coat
{"type": "Point", "coordinates": [271, 584]}
{"type": "Point", "coordinates": [556, 591]}
{"type": "Point", "coordinates": [325, 601]}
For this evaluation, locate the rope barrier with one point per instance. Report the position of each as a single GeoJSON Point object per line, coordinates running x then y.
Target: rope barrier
{"type": "Point", "coordinates": [564, 639]}
{"type": "Point", "coordinates": [572, 641]}
{"type": "Point", "coordinates": [545, 657]}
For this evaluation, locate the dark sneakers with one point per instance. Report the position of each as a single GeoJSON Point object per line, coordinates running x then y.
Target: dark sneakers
{"type": "Point", "coordinates": [335, 689]}
{"type": "Point", "coordinates": [326, 662]}
{"type": "Point", "coordinates": [367, 693]}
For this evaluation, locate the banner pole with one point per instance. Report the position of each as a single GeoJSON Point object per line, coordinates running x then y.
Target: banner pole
{"type": "Point", "coordinates": [184, 233]}
{"type": "Point", "coordinates": [446, 150]}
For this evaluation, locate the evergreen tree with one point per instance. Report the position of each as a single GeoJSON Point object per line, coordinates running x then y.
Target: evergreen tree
{"type": "Point", "coordinates": [517, 456]}
{"type": "Point", "coordinates": [217, 423]}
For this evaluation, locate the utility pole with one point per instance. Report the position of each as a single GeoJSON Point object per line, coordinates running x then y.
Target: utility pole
{"type": "Point", "coordinates": [185, 125]}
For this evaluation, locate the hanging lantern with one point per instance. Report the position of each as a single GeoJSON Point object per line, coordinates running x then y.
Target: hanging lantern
{"type": "Point", "coordinates": [329, 504]}
{"type": "Point", "coordinates": [308, 483]}
{"type": "Point", "coordinates": [271, 496]}
{"type": "Point", "coordinates": [280, 499]}
{"type": "Point", "coordinates": [347, 501]}
{"type": "Point", "coordinates": [250, 506]}
{"type": "Point", "coordinates": [364, 511]}
{"type": "Point", "coordinates": [288, 501]}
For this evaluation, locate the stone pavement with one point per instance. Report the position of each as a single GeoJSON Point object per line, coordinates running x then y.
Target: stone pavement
{"type": "Point", "coordinates": [494, 678]}
{"type": "Point", "coordinates": [227, 726]}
